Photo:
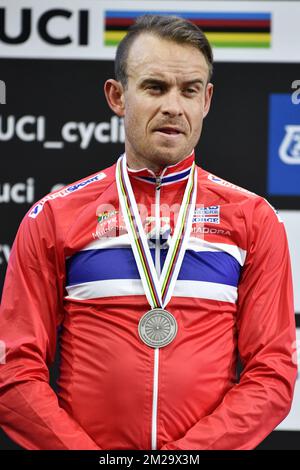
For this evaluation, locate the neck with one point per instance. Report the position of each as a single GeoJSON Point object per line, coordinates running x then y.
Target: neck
{"type": "Point", "coordinates": [139, 163]}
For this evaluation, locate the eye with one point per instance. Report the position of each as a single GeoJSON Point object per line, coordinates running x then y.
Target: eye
{"type": "Point", "coordinates": [154, 88]}
{"type": "Point", "coordinates": [190, 91]}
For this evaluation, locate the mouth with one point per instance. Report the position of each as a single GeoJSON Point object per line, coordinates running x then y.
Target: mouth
{"type": "Point", "coordinates": [173, 131]}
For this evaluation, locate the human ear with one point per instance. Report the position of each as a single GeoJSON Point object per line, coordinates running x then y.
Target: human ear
{"type": "Point", "coordinates": [114, 94]}
{"type": "Point", "coordinates": [208, 97]}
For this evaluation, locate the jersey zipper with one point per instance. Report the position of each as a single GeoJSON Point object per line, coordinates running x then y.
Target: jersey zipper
{"type": "Point", "coordinates": [156, 350]}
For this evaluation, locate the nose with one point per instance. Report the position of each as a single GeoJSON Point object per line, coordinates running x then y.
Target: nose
{"type": "Point", "coordinates": [171, 103]}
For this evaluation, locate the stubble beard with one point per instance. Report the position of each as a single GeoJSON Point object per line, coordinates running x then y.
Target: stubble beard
{"type": "Point", "coordinates": [154, 159]}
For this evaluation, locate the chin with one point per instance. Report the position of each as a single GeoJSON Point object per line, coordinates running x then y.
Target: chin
{"type": "Point", "coordinates": [167, 153]}
{"type": "Point", "coordinates": [168, 158]}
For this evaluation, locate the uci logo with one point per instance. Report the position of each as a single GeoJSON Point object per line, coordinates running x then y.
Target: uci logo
{"type": "Point", "coordinates": [57, 20]}
{"type": "Point", "coordinates": [19, 193]}
{"type": "Point", "coordinates": [289, 150]}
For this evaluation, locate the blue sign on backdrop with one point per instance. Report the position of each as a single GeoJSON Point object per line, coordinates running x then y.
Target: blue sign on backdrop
{"type": "Point", "coordinates": [284, 146]}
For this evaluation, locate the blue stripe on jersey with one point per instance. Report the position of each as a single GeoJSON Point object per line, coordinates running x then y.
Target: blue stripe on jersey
{"type": "Point", "coordinates": [119, 263]}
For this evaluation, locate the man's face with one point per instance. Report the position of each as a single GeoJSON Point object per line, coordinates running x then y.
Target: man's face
{"type": "Point", "coordinates": [165, 101]}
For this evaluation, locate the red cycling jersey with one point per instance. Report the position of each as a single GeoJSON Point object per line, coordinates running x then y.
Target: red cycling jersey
{"type": "Point", "coordinates": [72, 267]}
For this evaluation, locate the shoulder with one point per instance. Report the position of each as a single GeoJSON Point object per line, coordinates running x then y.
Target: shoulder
{"type": "Point", "coordinates": [73, 194]}
{"type": "Point", "coordinates": [253, 208]}
{"type": "Point", "coordinates": [224, 188]}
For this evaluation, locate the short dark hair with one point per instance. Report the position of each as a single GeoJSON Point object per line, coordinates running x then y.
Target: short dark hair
{"type": "Point", "coordinates": [174, 28]}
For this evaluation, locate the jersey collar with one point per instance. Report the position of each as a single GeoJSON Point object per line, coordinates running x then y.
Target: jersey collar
{"type": "Point", "coordinates": [170, 174]}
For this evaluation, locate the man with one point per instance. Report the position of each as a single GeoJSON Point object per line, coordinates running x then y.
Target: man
{"type": "Point", "coordinates": [158, 273]}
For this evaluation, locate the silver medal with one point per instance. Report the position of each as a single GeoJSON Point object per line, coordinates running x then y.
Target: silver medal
{"type": "Point", "coordinates": [157, 328]}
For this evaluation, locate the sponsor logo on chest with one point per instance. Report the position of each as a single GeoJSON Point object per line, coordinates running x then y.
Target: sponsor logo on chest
{"type": "Point", "coordinates": [207, 215]}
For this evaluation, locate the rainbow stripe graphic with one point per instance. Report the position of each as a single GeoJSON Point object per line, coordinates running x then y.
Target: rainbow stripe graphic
{"type": "Point", "coordinates": [230, 29]}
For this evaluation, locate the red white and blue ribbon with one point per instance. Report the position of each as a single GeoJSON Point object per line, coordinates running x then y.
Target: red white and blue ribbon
{"type": "Point", "coordinates": [158, 290]}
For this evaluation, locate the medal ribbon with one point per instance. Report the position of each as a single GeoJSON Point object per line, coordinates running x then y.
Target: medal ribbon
{"type": "Point", "coordinates": [158, 290]}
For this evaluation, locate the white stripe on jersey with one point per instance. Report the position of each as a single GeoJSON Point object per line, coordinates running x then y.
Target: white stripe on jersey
{"type": "Point", "coordinates": [125, 287]}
